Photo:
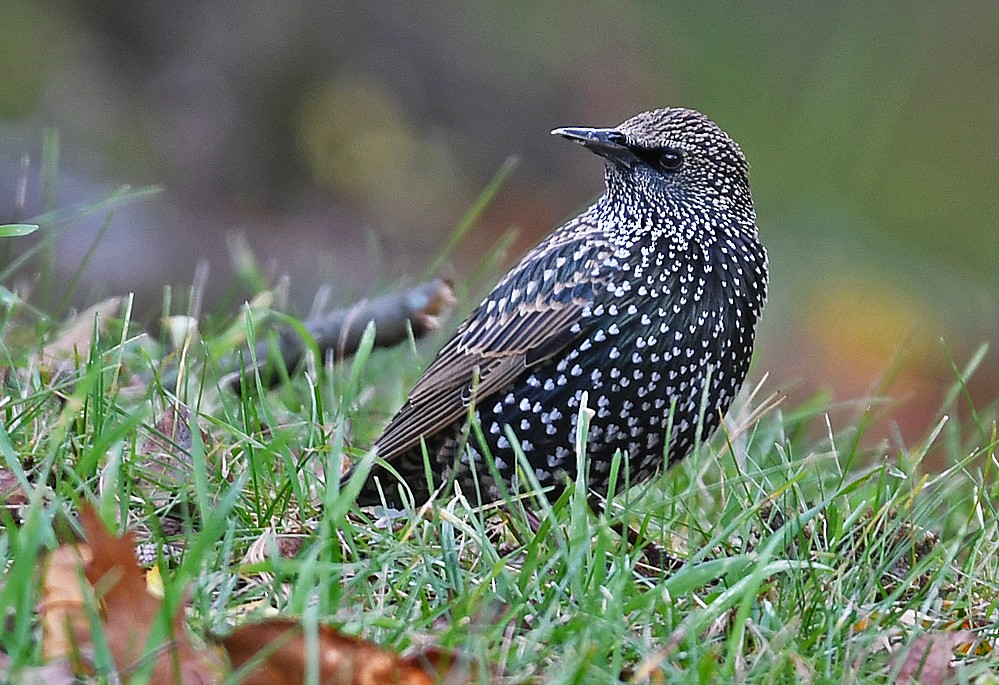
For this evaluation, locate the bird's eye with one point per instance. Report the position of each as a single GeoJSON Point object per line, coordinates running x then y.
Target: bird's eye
{"type": "Point", "coordinates": [671, 160]}
{"type": "Point", "coordinates": [665, 160]}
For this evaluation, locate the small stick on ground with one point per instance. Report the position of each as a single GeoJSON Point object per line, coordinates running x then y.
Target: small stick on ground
{"type": "Point", "coordinates": [420, 308]}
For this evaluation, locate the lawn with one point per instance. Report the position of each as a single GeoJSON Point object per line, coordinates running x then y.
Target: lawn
{"type": "Point", "coordinates": [810, 552]}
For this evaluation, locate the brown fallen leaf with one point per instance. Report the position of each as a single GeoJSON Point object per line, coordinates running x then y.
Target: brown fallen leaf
{"type": "Point", "coordinates": [130, 613]}
{"type": "Point", "coordinates": [274, 653]}
{"type": "Point", "coordinates": [270, 652]}
{"type": "Point", "coordinates": [173, 432]}
{"type": "Point", "coordinates": [57, 672]}
{"type": "Point", "coordinates": [166, 454]}
{"type": "Point", "coordinates": [65, 628]}
{"type": "Point", "coordinates": [928, 659]}
{"type": "Point", "coordinates": [443, 666]}
{"type": "Point", "coordinates": [288, 545]}
{"type": "Point", "coordinates": [76, 336]}
{"type": "Point", "coordinates": [12, 495]}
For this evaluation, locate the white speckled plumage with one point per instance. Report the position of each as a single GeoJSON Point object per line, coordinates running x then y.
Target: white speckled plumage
{"type": "Point", "coordinates": [648, 302]}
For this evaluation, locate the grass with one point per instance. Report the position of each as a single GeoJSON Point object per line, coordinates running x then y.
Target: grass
{"type": "Point", "coordinates": [798, 569]}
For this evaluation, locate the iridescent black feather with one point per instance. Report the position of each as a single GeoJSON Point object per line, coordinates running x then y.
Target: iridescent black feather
{"type": "Point", "coordinates": [648, 302]}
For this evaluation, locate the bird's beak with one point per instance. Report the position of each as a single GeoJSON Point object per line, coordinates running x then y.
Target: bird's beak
{"type": "Point", "coordinates": [609, 143]}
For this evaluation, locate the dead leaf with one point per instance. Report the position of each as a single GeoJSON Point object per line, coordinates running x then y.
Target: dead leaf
{"type": "Point", "coordinates": [76, 336]}
{"type": "Point", "coordinates": [927, 660]}
{"type": "Point", "coordinates": [272, 652]}
{"type": "Point", "coordinates": [57, 672]}
{"type": "Point", "coordinates": [278, 650]}
{"type": "Point", "coordinates": [287, 545]}
{"type": "Point", "coordinates": [130, 613]}
{"type": "Point", "coordinates": [166, 454]}
{"type": "Point", "coordinates": [173, 432]}
{"type": "Point", "coordinates": [443, 666]}
{"type": "Point", "coordinates": [11, 493]}
{"type": "Point", "coordinates": [181, 329]}
{"type": "Point", "coordinates": [65, 628]}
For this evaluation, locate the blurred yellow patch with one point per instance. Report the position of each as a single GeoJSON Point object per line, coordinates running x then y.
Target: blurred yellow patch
{"type": "Point", "coordinates": [863, 325]}
{"type": "Point", "coordinates": [358, 143]}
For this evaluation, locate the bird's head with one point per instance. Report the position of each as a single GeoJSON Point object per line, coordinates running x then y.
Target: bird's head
{"type": "Point", "coordinates": [669, 155]}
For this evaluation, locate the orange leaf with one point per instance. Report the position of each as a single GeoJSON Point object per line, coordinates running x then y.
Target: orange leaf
{"type": "Point", "coordinates": [76, 336]}
{"type": "Point", "coordinates": [11, 493]}
{"type": "Point", "coordinates": [928, 659]}
{"type": "Point", "coordinates": [65, 627]}
{"type": "Point", "coordinates": [278, 650]}
{"type": "Point", "coordinates": [130, 612]}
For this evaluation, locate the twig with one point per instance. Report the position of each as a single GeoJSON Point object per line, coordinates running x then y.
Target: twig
{"type": "Point", "coordinates": [420, 308]}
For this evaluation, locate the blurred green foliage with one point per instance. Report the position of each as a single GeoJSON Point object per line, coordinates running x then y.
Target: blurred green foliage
{"type": "Point", "coordinates": [872, 130]}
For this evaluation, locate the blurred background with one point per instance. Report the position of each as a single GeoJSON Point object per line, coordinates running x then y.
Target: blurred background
{"type": "Point", "coordinates": [344, 140]}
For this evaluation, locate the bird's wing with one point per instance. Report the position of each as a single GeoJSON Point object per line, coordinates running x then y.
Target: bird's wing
{"type": "Point", "coordinates": [515, 329]}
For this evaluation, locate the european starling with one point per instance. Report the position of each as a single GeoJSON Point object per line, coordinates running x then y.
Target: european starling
{"type": "Point", "coordinates": [647, 302]}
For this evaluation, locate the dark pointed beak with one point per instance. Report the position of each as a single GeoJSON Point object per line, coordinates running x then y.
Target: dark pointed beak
{"type": "Point", "coordinates": [609, 143]}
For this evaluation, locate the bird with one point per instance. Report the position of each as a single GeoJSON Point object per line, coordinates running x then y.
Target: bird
{"type": "Point", "coordinates": [644, 307]}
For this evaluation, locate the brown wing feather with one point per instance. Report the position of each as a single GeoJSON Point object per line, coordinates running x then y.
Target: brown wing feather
{"type": "Point", "coordinates": [443, 393]}
{"type": "Point", "coordinates": [501, 343]}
